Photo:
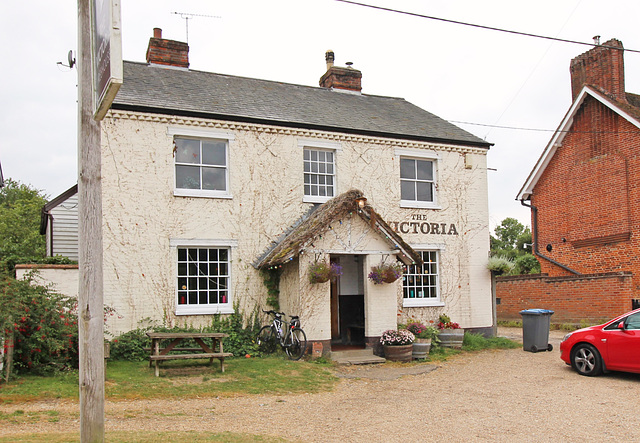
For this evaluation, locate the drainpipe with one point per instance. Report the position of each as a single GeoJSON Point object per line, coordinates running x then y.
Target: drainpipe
{"type": "Point", "coordinates": [534, 210]}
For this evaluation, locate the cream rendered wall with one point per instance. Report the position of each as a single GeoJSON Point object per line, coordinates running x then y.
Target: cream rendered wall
{"type": "Point", "coordinates": [380, 304]}
{"type": "Point", "coordinates": [142, 216]}
{"type": "Point", "coordinates": [63, 278]}
{"type": "Point", "coordinates": [348, 235]}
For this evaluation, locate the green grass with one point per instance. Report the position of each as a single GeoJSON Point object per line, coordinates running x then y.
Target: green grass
{"type": "Point", "coordinates": [472, 343]}
{"type": "Point", "coordinates": [477, 342]}
{"type": "Point", "coordinates": [189, 378]}
{"type": "Point", "coordinates": [180, 379]}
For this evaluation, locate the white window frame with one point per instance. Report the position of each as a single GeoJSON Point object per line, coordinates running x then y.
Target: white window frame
{"type": "Point", "coordinates": [202, 134]}
{"type": "Point", "coordinates": [416, 154]}
{"type": "Point", "coordinates": [198, 309]}
{"type": "Point", "coordinates": [318, 145]}
{"type": "Point", "coordinates": [428, 301]}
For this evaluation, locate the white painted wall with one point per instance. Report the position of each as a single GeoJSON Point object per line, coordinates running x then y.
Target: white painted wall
{"type": "Point", "coordinates": [142, 216]}
{"type": "Point", "coordinates": [64, 229]}
{"type": "Point", "coordinates": [63, 278]}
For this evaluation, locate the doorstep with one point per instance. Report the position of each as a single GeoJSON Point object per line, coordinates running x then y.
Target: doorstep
{"type": "Point", "coordinates": [356, 357]}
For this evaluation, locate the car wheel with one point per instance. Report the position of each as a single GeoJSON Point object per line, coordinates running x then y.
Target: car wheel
{"type": "Point", "coordinates": [586, 359]}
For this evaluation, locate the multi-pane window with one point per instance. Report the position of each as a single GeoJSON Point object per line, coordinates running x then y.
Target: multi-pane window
{"type": "Point", "coordinates": [203, 278]}
{"type": "Point", "coordinates": [319, 174]}
{"type": "Point", "coordinates": [201, 165]}
{"type": "Point", "coordinates": [417, 182]}
{"type": "Point", "coordinates": [420, 282]}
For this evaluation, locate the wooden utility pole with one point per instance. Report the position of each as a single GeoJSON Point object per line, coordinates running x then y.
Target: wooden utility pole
{"type": "Point", "coordinates": [90, 291]}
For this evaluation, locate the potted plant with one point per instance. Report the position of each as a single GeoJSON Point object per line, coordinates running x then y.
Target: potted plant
{"type": "Point", "coordinates": [425, 336]}
{"type": "Point", "coordinates": [397, 344]}
{"type": "Point", "coordinates": [450, 335]}
{"type": "Point", "coordinates": [321, 271]}
{"type": "Point", "coordinates": [385, 273]}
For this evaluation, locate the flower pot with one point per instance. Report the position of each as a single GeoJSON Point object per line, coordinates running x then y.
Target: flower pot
{"type": "Point", "coordinates": [389, 277]}
{"type": "Point", "coordinates": [421, 348]}
{"type": "Point", "coordinates": [398, 353]}
{"type": "Point", "coordinates": [451, 338]}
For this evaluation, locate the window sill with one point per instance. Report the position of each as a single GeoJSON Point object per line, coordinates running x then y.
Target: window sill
{"type": "Point", "coordinates": [419, 205]}
{"type": "Point", "coordinates": [200, 194]}
{"type": "Point", "coordinates": [421, 303]}
{"type": "Point", "coordinates": [205, 310]}
{"type": "Point", "coordinates": [308, 199]}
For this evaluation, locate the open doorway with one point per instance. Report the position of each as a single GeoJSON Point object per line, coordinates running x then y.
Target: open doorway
{"type": "Point", "coordinates": [347, 302]}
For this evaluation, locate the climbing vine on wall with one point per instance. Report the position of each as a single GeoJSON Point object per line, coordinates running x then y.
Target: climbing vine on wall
{"type": "Point", "coordinates": [271, 280]}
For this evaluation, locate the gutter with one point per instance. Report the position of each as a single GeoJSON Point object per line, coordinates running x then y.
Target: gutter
{"type": "Point", "coordinates": [534, 210]}
{"type": "Point", "coordinates": [298, 125]}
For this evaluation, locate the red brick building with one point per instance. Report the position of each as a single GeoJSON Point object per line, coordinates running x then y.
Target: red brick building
{"type": "Point", "coordinates": [584, 194]}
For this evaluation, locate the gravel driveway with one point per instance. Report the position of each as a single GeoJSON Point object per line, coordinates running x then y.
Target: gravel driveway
{"type": "Point", "coordinates": [503, 396]}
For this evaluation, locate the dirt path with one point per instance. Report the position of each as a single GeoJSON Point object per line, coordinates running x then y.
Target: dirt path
{"type": "Point", "coordinates": [502, 396]}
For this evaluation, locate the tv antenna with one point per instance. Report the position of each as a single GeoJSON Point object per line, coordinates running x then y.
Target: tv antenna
{"type": "Point", "coordinates": [188, 15]}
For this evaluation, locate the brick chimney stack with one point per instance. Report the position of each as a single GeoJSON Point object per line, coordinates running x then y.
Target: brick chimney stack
{"type": "Point", "coordinates": [167, 52]}
{"type": "Point", "coordinates": [349, 79]}
{"type": "Point", "coordinates": [601, 67]}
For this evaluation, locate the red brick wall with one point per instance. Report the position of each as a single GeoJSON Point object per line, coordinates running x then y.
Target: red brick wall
{"type": "Point", "coordinates": [588, 197]}
{"type": "Point", "coordinates": [600, 67]}
{"type": "Point", "coordinates": [168, 52]}
{"type": "Point", "coordinates": [594, 298]}
{"type": "Point", "coordinates": [342, 78]}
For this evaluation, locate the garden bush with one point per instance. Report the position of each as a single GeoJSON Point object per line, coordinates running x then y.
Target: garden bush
{"type": "Point", "coordinates": [42, 324]}
{"type": "Point", "coordinates": [134, 345]}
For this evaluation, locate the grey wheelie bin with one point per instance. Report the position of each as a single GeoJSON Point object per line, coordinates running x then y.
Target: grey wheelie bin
{"type": "Point", "coordinates": [535, 330]}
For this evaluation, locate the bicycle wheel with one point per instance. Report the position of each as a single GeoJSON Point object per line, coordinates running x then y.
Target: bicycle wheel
{"type": "Point", "coordinates": [296, 344]}
{"type": "Point", "coordinates": [266, 340]}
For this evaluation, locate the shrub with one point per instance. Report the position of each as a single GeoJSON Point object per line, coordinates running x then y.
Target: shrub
{"type": "Point", "coordinates": [42, 323]}
{"type": "Point", "coordinates": [422, 331]}
{"type": "Point", "coordinates": [500, 264]}
{"type": "Point", "coordinates": [134, 345]}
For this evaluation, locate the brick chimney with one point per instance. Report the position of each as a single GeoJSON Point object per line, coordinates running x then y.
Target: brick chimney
{"type": "Point", "coordinates": [167, 52]}
{"type": "Point", "coordinates": [600, 67]}
{"type": "Point", "coordinates": [348, 78]}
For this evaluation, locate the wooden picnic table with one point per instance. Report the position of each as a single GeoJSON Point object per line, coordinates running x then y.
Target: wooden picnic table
{"type": "Point", "coordinates": [205, 351]}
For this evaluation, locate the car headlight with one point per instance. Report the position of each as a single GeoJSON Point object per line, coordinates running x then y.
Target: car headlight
{"type": "Point", "coordinates": [566, 337]}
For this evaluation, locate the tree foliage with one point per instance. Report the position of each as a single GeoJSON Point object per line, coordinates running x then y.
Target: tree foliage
{"type": "Point", "coordinates": [513, 241]}
{"type": "Point", "coordinates": [20, 239]}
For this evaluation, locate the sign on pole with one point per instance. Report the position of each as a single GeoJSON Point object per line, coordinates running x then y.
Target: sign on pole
{"type": "Point", "coordinates": [106, 48]}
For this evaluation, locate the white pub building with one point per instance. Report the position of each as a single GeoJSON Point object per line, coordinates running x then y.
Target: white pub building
{"type": "Point", "coordinates": [210, 179]}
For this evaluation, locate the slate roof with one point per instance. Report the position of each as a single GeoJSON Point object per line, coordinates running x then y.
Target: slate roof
{"type": "Point", "coordinates": [157, 89]}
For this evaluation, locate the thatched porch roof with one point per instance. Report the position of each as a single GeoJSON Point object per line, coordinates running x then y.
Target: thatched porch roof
{"type": "Point", "coordinates": [318, 219]}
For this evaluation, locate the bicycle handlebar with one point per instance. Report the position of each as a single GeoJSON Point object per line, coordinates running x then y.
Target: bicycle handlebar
{"type": "Point", "coordinates": [276, 313]}
{"type": "Point", "coordinates": [273, 312]}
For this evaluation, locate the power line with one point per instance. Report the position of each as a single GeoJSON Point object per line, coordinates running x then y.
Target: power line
{"type": "Point", "coordinates": [490, 28]}
{"type": "Point", "coordinates": [517, 128]}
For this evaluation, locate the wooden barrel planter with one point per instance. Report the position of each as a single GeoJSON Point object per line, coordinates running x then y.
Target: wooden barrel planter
{"type": "Point", "coordinates": [451, 338]}
{"type": "Point", "coordinates": [421, 348]}
{"type": "Point", "coordinates": [398, 353]}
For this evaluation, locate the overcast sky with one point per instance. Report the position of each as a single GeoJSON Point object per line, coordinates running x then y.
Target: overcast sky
{"type": "Point", "coordinates": [459, 73]}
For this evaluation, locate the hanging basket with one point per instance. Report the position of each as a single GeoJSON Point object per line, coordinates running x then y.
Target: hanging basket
{"type": "Point", "coordinates": [321, 272]}
{"type": "Point", "coordinates": [385, 273]}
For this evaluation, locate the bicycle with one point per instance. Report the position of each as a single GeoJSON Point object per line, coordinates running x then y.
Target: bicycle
{"type": "Point", "coordinates": [291, 337]}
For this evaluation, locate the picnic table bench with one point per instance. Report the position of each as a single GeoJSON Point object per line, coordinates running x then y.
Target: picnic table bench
{"type": "Point", "coordinates": [160, 354]}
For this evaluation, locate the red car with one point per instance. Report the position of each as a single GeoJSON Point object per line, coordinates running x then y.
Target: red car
{"type": "Point", "coordinates": [612, 346]}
